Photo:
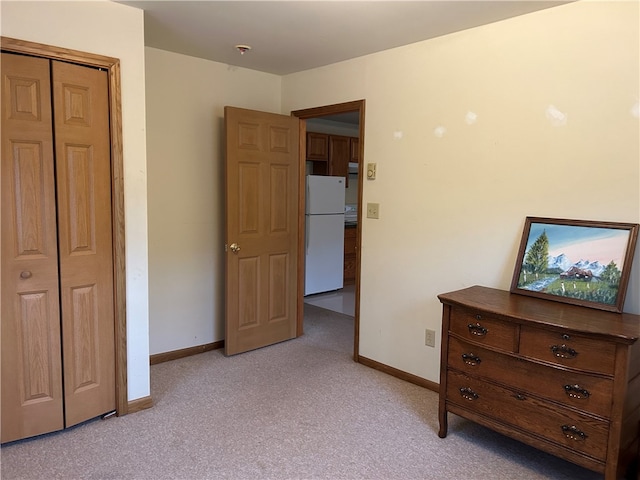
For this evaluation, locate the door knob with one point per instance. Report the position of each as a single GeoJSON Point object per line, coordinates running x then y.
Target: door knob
{"type": "Point", "coordinates": [234, 247]}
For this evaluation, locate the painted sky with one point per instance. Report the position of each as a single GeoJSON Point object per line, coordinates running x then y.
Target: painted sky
{"type": "Point", "coordinates": [583, 243]}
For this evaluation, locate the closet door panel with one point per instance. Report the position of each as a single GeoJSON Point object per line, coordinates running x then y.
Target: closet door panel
{"type": "Point", "coordinates": [31, 358]}
{"type": "Point", "coordinates": [85, 239]}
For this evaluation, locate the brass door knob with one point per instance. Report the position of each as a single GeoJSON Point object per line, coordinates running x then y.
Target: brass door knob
{"type": "Point", "coordinates": [234, 247]}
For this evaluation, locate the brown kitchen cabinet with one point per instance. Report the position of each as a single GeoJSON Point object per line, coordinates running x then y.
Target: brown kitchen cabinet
{"type": "Point", "coordinates": [355, 150]}
{"type": "Point", "coordinates": [330, 154]}
{"type": "Point", "coordinates": [350, 255]}
{"type": "Point", "coordinates": [339, 152]}
{"type": "Point", "coordinates": [317, 147]}
{"type": "Point", "coordinates": [562, 378]}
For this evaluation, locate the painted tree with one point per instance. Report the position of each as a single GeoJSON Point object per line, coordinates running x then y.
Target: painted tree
{"type": "Point", "coordinates": [537, 257]}
{"type": "Point", "coordinates": [611, 274]}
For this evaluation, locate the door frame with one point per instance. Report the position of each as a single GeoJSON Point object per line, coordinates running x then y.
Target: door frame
{"type": "Point", "coordinates": [112, 66]}
{"type": "Point", "coordinates": [303, 115]}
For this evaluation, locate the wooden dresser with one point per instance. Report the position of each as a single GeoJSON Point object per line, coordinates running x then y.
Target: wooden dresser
{"type": "Point", "coordinates": [562, 378]}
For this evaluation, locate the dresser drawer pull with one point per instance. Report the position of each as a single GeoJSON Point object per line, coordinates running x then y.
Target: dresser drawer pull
{"type": "Point", "coordinates": [576, 391]}
{"type": "Point", "coordinates": [471, 359]}
{"type": "Point", "coordinates": [477, 329]}
{"type": "Point", "coordinates": [562, 351]}
{"type": "Point", "coordinates": [468, 394]}
{"type": "Point", "coordinates": [519, 396]}
{"type": "Point", "coordinates": [572, 433]}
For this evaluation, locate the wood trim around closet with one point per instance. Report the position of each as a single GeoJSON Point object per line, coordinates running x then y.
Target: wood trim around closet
{"type": "Point", "coordinates": [112, 66]}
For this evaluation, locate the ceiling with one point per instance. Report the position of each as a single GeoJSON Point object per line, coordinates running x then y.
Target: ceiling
{"type": "Point", "coordinates": [292, 36]}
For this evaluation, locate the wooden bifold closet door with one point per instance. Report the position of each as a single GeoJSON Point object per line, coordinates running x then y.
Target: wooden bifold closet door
{"type": "Point", "coordinates": [58, 361]}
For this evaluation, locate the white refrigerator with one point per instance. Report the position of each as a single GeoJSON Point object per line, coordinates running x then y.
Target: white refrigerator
{"type": "Point", "coordinates": [324, 235]}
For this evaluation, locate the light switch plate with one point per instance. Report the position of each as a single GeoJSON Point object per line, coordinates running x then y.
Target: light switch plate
{"type": "Point", "coordinates": [373, 210]}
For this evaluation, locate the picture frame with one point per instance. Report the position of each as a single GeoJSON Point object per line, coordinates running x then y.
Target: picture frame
{"type": "Point", "coordinates": [580, 262]}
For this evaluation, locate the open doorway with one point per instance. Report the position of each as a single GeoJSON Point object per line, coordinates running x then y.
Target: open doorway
{"type": "Point", "coordinates": [349, 118]}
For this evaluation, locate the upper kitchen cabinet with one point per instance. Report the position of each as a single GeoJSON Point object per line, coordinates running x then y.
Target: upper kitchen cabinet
{"type": "Point", "coordinates": [355, 150]}
{"type": "Point", "coordinates": [330, 154]}
{"type": "Point", "coordinates": [317, 147]}
{"type": "Point", "coordinates": [339, 153]}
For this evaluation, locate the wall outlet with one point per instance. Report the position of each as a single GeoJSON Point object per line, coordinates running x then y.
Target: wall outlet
{"type": "Point", "coordinates": [373, 210]}
{"type": "Point", "coordinates": [430, 338]}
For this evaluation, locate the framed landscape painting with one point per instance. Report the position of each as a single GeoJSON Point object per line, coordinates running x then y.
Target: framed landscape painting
{"type": "Point", "coordinates": [580, 262]}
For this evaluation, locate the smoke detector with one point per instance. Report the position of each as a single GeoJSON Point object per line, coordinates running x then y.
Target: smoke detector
{"type": "Point", "coordinates": [243, 48]}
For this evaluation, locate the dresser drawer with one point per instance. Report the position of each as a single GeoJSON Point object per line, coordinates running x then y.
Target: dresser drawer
{"type": "Point", "coordinates": [581, 391]}
{"type": "Point", "coordinates": [568, 350]}
{"type": "Point", "coordinates": [531, 415]}
{"type": "Point", "coordinates": [483, 328]}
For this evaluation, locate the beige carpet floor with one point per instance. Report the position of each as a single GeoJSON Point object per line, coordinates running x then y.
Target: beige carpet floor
{"type": "Point", "coordinates": [301, 409]}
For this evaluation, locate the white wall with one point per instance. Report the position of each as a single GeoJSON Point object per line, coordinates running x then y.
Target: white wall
{"type": "Point", "coordinates": [452, 205]}
{"type": "Point", "coordinates": [483, 145]}
{"type": "Point", "coordinates": [113, 30]}
{"type": "Point", "coordinates": [185, 112]}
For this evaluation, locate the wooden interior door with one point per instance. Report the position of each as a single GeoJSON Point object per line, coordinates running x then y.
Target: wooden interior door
{"type": "Point", "coordinates": [261, 229]}
{"type": "Point", "coordinates": [55, 272]}
{"type": "Point", "coordinates": [83, 176]}
{"type": "Point", "coordinates": [31, 357]}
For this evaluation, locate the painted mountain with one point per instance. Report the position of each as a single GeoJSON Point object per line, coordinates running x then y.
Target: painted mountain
{"type": "Point", "coordinates": [562, 263]}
